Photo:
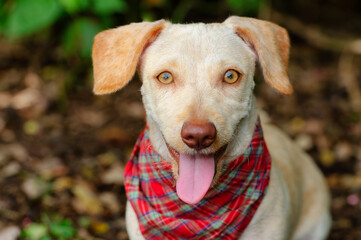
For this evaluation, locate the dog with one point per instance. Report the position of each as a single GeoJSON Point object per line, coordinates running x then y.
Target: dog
{"type": "Point", "coordinates": [206, 166]}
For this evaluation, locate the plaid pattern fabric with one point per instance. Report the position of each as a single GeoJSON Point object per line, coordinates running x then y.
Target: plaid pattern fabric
{"type": "Point", "coordinates": [223, 213]}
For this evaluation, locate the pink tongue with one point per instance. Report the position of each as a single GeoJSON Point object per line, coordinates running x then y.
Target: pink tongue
{"type": "Point", "coordinates": [195, 176]}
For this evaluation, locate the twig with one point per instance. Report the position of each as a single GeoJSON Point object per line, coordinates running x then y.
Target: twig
{"type": "Point", "coordinates": [348, 49]}
{"type": "Point", "coordinates": [315, 36]}
{"type": "Point", "coordinates": [349, 79]}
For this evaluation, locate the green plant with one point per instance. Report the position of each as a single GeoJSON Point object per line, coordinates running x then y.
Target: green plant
{"type": "Point", "coordinates": [77, 20]}
{"type": "Point", "coordinates": [26, 16]}
{"type": "Point", "coordinates": [245, 7]}
{"type": "Point", "coordinates": [49, 229]}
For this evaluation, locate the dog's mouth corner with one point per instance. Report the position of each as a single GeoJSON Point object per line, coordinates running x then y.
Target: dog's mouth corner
{"type": "Point", "coordinates": [196, 172]}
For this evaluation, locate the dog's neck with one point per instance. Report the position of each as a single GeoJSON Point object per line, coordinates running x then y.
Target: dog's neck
{"type": "Point", "coordinates": [236, 147]}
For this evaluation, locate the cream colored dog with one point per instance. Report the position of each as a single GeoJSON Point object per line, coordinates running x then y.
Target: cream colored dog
{"type": "Point", "coordinates": [203, 74]}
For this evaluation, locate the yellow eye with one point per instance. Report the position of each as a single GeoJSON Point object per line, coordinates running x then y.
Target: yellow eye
{"type": "Point", "coordinates": [231, 76]}
{"type": "Point", "coordinates": [165, 77]}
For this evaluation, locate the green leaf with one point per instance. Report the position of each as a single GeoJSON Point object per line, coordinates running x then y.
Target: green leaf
{"type": "Point", "coordinates": [79, 36]}
{"type": "Point", "coordinates": [244, 6]}
{"type": "Point", "coordinates": [148, 16]}
{"type": "Point", "coordinates": [29, 16]}
{"type": "Point", "coordinates": [35, 231]}
{"type": "Point", "coordinates": [2, 20]}
{"type": "Point", "coordinates": [46, 237]}
{"type": "Point", "coordinates": [107, 7]}
{"type": "Point", "coordinates": [73, 6]}
{"type": "Point", "coordinates": [63, 229]}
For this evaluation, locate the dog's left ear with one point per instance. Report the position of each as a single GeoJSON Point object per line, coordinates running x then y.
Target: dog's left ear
{"type": "Point", "coordinates": [271, 44]}
{"type": "Point", "coordinates": [116, 52]}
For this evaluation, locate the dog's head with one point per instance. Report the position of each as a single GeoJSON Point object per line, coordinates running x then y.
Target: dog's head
{"type": "Point", "coordinates": [197, 87]}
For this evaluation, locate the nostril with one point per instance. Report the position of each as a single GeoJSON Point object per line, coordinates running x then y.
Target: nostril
{"type": "Point", "coordinates": [208, 137]}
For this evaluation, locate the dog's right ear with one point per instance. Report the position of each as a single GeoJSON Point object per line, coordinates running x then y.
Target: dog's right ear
{"type": "Point", "coordinates": [116, 52]}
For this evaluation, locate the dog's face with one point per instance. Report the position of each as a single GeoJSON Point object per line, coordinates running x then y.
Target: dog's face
{"type": "Point", "coordinates": [197, 57]}
{"type": "Point", "coordinates": [197, 86]}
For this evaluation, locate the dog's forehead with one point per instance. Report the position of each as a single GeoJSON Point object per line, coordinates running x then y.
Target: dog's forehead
{"type": "Point", "coordinates": [199, 41]}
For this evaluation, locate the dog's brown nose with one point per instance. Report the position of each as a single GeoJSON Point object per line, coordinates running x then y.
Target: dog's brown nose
{"type": "Point", "coordinates": [198, 134]}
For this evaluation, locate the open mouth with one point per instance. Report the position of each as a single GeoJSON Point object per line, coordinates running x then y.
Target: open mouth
{"type": "Point", "coordinates": [196, 173]}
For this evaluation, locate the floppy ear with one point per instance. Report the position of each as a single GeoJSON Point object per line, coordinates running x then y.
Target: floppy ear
{"type": "Point", "coordinates": [271, 44]}
{"type": "Point", "coordinates": [116, 52]}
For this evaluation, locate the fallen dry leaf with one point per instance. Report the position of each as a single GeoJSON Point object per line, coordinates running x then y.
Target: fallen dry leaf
{"type": "Point", "coordinates": [51, 167]}
{"type": "Point", "coordinates": [350, 181]}
{"type": "Point", "coordinates": [343, 151]}
{"type": "Point", "coordinates": [305, 141]}
{"type": "Point", "coordinates": [92, 117]}
{"type": "Point", "coordinates": [34, 187]}
{"type": "Point", "coordinates": [32, 80]}
{"type": "Point", "coordinates": [131, 109]}
{"type": "Point", "coordinates": [116, 134]}
{"type": "Point", "coordinates": [114, 175]}
{"type": "Point", "coordinates": [63, 183]}
{"type": "Point", "coordinates": [327, 157]}
{"type": "Point", "coordinates": [18, 152]}
{"type": "Point", "coordinates": [7, 135]}
{"type": "Point", "coordinates": [314, 127]}
{"type": "Point", "coordinates": [297, 124]}
{"type": "Point", "coordinates": [10, 233]}
{"type": "Point", "coordinates": [26, 98]}
{"type": "Point", "coordinates": [11, 169]}
{"type": "Point", "coordinates": [110, 201]}
{"type": "Point", "coordinates": [107, 159]}
{"type": "Point", "coordinates": [31, 127]}
{"type": "Point", "coordinates": [5, 100]}
{"type": "Point", "coordinates": [86, 200]}
{"type": "Point", "coordinates": [99, 227]}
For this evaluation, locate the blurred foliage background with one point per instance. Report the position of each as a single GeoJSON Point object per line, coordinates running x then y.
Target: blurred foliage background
{"type": "Point", "coordinates": [63, 150]}
{"type": "Point", "coordinates": [77, 21]}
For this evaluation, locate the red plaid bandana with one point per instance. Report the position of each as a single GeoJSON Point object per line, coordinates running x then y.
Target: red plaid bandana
{"type": "Point", "coordinates": [223, 213]}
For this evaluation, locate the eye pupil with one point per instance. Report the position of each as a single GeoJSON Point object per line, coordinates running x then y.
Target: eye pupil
{"type": "Point", "coordinates": [229, 75]}
{"type": "Point", "coordinates": [165, 76]}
